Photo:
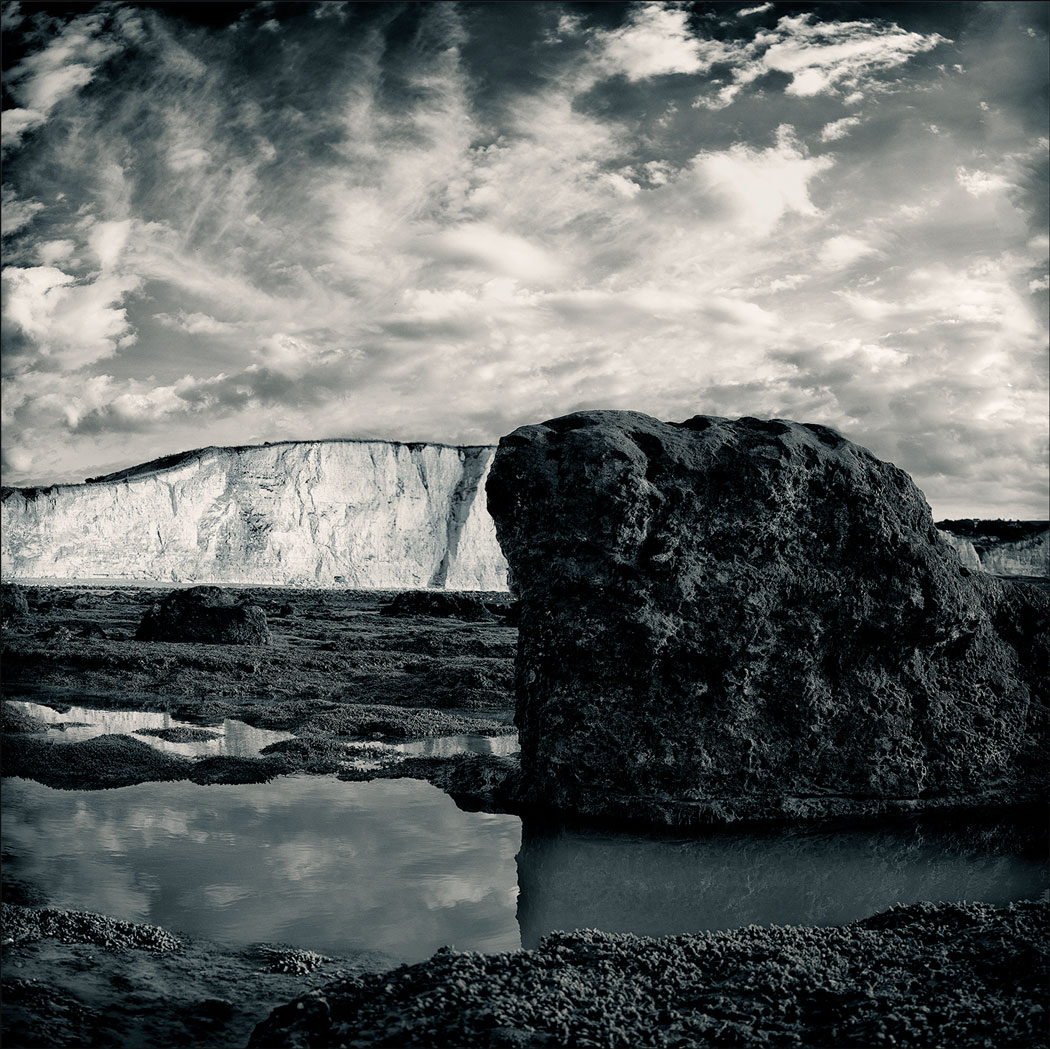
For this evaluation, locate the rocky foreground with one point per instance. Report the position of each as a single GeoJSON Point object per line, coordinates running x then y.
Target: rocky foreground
{"type": "Point", "coordinates": [925, 975]}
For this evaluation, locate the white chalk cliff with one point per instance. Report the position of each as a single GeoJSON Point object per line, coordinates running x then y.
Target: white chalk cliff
{"type": "Point", "coordinates": [1027, 555]}
{"type": "Point", "coordinates": [368, 514]}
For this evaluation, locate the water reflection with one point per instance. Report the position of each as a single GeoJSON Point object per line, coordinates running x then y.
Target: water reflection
{"type": "Point", "coordinates": [236, 738]}
{"type": "Point", "coordinates": [395, 866]}
{"type": "Point", "coordinates": [658, 885]}
{"type": "Point", "coordinates": [392, 865]}
{"type": "Point", "coordinates": [449, 746]}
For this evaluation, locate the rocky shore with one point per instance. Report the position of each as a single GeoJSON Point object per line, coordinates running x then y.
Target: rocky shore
{"type": "Point", "coordinates": [948, 975]}
{"type": "Point", "coordinates": [72, 978]}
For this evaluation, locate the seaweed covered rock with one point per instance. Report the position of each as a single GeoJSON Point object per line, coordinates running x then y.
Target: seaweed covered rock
{"type": "Point", "coordinates": [930, 974]}
{"type": "Point", "coordinates": [753, 619]}
{"type": "Point", "coordinates": [206, 615]}
{"type": "Point", "coordinates": [13, 601]}
{"type": "Point", "coordinates": [438, 603]}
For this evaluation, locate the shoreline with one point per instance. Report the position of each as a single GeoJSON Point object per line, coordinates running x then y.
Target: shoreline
{"type": "Point", "coordinates": [945, 974]}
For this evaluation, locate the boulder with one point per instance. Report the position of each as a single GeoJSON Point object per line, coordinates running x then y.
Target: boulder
{"type": "Point", "coordinates": [754, 619]}
{"type": "Point", "coordinates": [206, 615]}
{"type": "Point", "coordinates": [13, 601]}
{"type": "Point", "coordinates": [444, 604]}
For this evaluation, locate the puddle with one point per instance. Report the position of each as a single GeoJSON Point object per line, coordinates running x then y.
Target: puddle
{"type": "Point", "coordinates": [449, 746]}
{"type": "Point", "coordinates": [236, 739]}
{"type": "Point", "coordinates": [660, 885]}
{"type": "Point", "coordinates": [395, 866]}
{"type": "Point", "coordinates": [391, 865]}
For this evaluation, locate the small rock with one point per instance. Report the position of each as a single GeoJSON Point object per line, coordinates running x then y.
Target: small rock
{"type": "Point", "coordinates": [206, 615]}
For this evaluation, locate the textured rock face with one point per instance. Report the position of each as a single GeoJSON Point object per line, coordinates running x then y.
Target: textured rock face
{"type": "Point", "coordinates": [351, 513]}
{"type": "Point", "coordinates": [206, 615]}
{"type": "Point", "coordinates": [753, 619]}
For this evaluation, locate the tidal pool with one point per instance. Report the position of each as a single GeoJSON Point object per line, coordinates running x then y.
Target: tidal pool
{"type": "Point", "coordinates": [395, 866]}
{"type": "Point", "coordinates": [236, 738]}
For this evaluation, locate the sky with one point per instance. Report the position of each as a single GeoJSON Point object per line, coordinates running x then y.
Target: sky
{"type": "Point", "coordinates": [237, 223]}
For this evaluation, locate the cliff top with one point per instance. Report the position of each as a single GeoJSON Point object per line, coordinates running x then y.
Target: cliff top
{"type": "Point", "coordinates": [1008, 531]}
{"type": "Point", "coordinates": [171, 462]}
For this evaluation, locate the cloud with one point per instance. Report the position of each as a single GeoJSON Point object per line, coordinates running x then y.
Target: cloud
{"type": "Point", "coordinates": [838, 129]}
{"type": "Point", "coordinates": [843, 251]}
{"type": "Point", "coordinates": [45, 78]}
{"type": "Point", "coordinates": [60, 323]}
{"type": "Point", "coordinates": [820, 56]}
{"type": "Point", "coordinates": [427, 222]}
{"type": "Point", "coordinates": [196, 323]}
{"type": "Point", "coordinates": [656, 41]}
{"type": "Point", "coordinates": [759, 187]}
{"type": "Point", "coordinates": [16, 213]}
{"type": "Point", "coordinates": [978, 183]}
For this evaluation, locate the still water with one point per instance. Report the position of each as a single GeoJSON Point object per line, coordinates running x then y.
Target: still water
{"type": "Point", "coordinates": [234, 738]}
{"type": "Point", "coordinates": [395, 866]}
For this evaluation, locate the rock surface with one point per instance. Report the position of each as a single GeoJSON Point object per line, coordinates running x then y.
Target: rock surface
{"type": "Point", "coordinates": [322, 513]}
{"type": "Point", "coordinates": [439, 604]}
{"type": "Point", "coordinates": [13, 601]}
{"type": "Point", "coordinates": [925, 975]}
{"type": "Point", "coordinates": [752, 619]}
{"type": "Point", "coordinates": [205, 615]}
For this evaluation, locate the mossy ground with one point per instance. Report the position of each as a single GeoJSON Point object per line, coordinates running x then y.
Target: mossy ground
{"type": "Point", "coordinates": [337, 671]}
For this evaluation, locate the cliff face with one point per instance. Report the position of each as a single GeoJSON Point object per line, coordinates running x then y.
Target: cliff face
{"type": "Point", "coordinates": [351, 513]}
{"type": "Point", "coordinates": [1016, 548]}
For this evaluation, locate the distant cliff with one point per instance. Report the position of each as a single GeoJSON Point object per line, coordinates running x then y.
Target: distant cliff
{"type": "Point", "coordinates": [321, 513]}
{"type": "Point", "coordinates": [1001, 547]}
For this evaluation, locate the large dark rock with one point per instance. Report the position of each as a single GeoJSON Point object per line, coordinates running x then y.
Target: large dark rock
{"type": "Point", "coordinates": [753, 619]}
{"type": "Point", "coordinates": [206, 615]}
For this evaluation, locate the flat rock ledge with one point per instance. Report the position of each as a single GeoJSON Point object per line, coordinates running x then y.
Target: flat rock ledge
{"type": "Point", "coordinates": [925, 975]}
{"type": "Point", "coordinates": [754, 620]}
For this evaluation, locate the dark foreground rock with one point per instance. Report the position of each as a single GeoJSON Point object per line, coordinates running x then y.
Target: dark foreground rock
{"type": "Point", "coordinates": [927, 975]}
{"type": "Point", "coordinates": [752, 619]}
{"type": "Point", "coordinates": [207, 615]}
{"type": "Point", "coordinates": [72, 978]}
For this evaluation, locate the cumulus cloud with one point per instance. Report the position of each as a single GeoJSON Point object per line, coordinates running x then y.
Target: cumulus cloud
{"type": "Point", "coordinates": [760, 186]}
{"type": "Point", "coordinates": [656, 41]}
{"type": "Point", "coordinates": [60, 323]}
{"type": "Point", "coordinates": [837, 129]}
{"type": "Point", "coordinates": [844, 250]}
